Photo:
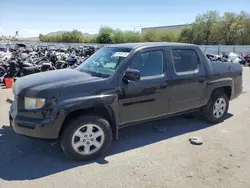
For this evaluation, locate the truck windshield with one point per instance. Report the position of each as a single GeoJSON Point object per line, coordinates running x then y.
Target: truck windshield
{"type": "Point", "coordinates": [105, 61]}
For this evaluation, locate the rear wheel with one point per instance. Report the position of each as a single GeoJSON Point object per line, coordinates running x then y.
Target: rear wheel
{"type": "Point", "coordinates": [86, 138]}
{"type": "Point", "coordinates": [217, 107]}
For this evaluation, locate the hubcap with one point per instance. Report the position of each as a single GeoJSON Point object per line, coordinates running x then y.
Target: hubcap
{"type": "Point", "coordinates": [88, 139]}
{"type": "Point", "coordinates": [219, 108]}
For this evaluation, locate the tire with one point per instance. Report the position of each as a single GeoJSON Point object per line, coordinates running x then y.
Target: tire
{"type": "Point", "coordinates": [75, 134]}
{"type": "Point", "coordinates": [217, 114]}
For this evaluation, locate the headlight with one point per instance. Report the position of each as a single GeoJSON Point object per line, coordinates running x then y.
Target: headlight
{"type": "Point", "coordinates": [33, 103]}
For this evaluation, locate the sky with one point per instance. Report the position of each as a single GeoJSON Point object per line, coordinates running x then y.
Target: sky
{"type": "Point", "coordinates": [32, 17]}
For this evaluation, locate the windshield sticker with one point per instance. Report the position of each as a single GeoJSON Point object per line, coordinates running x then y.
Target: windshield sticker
{"type": "Point", "coordinates": [121, 54]}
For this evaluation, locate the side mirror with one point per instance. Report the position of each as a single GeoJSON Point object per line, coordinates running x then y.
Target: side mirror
{"type": "Point", "coordinates": [132, 75]}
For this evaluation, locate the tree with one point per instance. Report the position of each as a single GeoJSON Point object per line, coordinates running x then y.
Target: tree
{"type": "Point", "coordinates": [208, 28]}
{"type": "Point", "coordinates": [229, 28]}
{"type": "Point", "coordinates": [118, 36]}
{"type": "Point", "coordinates": [187, 35]}
{"type": "Point", "coordinates": [92, 39]}
{"type": "Point", "coordinates": [41, 36]}
{"type": "Point", "coordinates": [244, 37]}
{"type": "Point", "coordinates": [204, 26]}
{"type": "Point", "coordinates": [76, 36]}
{"type": "Point", "coordinates": [105, 36]}
{"type": "Point", "coordinates": [73, 36]}
{"type": "Point", "coordinates": [166, 36]}
{"type": "Point", "coordinates": [151, 36]}
{"type": "Point", "coordinates": [131, 36]}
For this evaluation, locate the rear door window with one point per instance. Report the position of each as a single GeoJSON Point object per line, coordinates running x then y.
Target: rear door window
{"type": "Point", "coordinates": [185, 60]}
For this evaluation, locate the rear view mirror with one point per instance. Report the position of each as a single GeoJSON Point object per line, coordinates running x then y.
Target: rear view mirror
{"type": "Point", "coordinates": [132, 75]}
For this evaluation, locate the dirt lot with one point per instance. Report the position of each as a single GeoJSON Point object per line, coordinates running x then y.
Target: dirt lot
{"type": "Point", "coordinates": [142, 157]}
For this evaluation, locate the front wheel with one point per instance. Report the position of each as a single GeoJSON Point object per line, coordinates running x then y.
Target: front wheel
{"type": "Point", "coordinates": [216, 108]}
{"type": "Point", "coordinates": [86, 138]}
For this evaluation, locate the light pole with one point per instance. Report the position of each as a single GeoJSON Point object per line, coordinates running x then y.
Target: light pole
{"type": "Point", "coordinates": [136, 27]}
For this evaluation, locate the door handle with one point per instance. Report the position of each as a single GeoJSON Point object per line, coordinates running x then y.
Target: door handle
{"type": "Point", "coordinates": [163, 85]}
{"type": "Point", "coordinates": [201, 79]}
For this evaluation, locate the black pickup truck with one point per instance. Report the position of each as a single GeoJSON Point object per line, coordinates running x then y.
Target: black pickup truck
{"type": "Point", "coordinates": [121, 85]}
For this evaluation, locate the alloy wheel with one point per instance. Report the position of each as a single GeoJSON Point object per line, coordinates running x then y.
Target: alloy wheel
{"type": "Point", "coordinates": [88, 139]}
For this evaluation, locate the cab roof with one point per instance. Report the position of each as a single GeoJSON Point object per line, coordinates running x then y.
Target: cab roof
{"type": "Point", "coordinates": [148, 44]}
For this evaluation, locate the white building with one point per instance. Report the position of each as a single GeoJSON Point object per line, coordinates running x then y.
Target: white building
{"type": "Point", "coordinates": [171, 28]}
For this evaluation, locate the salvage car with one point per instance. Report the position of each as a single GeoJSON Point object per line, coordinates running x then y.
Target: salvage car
{"type": "Point", "coordinates": [121, 85]}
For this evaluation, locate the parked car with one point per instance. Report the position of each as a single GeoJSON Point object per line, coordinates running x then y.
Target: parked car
{"type": "Point", "coordinates": [118, 86]}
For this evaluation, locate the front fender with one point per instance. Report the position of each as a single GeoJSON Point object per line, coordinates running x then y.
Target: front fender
{"type": "Point", "coordinates": [63, 108]}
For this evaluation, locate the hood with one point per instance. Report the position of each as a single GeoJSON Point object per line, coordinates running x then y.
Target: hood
{"type": "Point", "coordinates": [51, 79]}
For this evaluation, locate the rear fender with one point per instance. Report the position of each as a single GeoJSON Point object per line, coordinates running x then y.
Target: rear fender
{"type": "Point", "coordinates": [218, 83]}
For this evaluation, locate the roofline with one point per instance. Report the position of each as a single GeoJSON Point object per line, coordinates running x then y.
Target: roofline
{"type": "Point", "coordinates": [135, 46]}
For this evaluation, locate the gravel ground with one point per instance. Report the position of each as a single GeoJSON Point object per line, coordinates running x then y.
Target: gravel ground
{"type": "Point", "coordinates": [142, 157]}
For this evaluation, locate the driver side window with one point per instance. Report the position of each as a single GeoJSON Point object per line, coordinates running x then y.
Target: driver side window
{"type": "Point", "coordinates": [149, 63]}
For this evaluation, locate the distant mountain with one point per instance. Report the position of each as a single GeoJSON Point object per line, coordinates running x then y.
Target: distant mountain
{"type": "Point", "coordinates": [51, 34]}
{"type": "Point", "coordinates": [61, 32]}
{"type": "Point", "coordinates": [88, 35]}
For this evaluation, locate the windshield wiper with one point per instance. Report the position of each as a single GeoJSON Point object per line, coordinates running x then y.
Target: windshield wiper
{"type": "Point", "coordinates": [97, 74]}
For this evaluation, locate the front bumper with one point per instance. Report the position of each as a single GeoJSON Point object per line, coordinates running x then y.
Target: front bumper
{"type": "Point", "coordinates": [34, 127]}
